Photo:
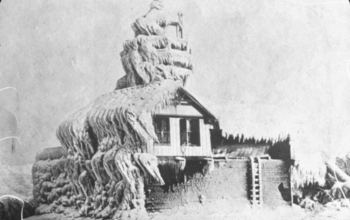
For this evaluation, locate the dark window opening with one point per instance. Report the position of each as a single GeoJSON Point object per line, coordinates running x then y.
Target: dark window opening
{"type": "Point", "coordinates": [162, 128]}
{"type": "Point", "coordinates": [189, 132]}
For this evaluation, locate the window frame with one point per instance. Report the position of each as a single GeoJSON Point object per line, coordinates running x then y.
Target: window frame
{"type": "Point", "coordinates": [187, 120]}
{"type": "Point", "coordinates": [169, 131]}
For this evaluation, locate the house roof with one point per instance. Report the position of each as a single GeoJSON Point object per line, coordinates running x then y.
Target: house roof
{"type": "Point", "coordinates": [197, 104]}
{"type": "Point", "coordinates": [128, 109]}
{"type": "Point", "coordinates": [149, 97]}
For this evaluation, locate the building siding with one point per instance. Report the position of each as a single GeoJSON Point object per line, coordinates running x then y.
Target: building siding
{"type": "Point", "coordinates": [174, 149]}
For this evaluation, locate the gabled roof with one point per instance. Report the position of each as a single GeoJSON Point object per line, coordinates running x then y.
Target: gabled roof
{"type": "Point", "coordinates": [128, 109]}
{"type": "Point", "coordinates": [196, 104]}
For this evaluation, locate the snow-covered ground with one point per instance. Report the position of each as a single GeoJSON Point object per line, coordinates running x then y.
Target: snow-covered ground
{"type": "Point", "coordinates": [200, 213]}
{"type": "Point", "coordinates": [285, 213]}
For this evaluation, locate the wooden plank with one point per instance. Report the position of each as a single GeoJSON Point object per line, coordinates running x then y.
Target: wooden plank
{"type": "Point", "coordinates": [180, 110]}
{"type": "Point", "coordinates": [205, 139]}
{"type": "Point", "coordinates": [208, 141]}
{"type": "Point", "coordinates": [205, 143]}
{"type": "Point", "coordinates": [177, 136]}
{"type": "Point", "coordinates": [202, 137]}
{"type": "Point", "coordinates": [162, 150]}
{"type": "Point", "coordinates": [200, 151]}
{"type": "Point", "coordinates": [172, 151]}
{"type": "Point", "coordinates": [189, 151]}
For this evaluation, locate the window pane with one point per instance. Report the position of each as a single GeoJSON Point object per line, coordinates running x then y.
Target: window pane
{"type": "Point", "coordinates": [183, 132]}
{"type": "Point", "coordinates": [162, 129]}
{"type": "Point", "coordinates": [194, 136]}
{"type": "Point", "coordinates": [189, 132]}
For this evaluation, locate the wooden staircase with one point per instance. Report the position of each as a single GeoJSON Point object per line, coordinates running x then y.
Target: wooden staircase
{"type": "Point", "coordinates": [255, 181]}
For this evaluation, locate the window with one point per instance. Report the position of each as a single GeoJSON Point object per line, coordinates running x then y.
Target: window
{"type": "Point", "coordinates": [162, 128]}
{"type": "Point", "coordinates": [189, 132]}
